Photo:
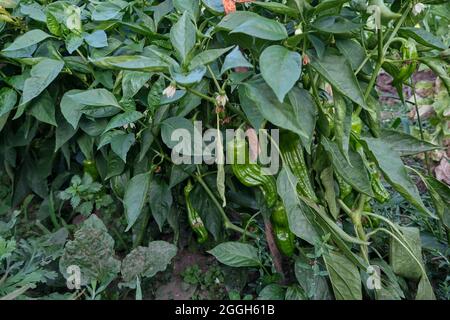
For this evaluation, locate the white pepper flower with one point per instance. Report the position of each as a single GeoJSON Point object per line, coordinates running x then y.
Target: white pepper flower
{"type": "Point", "coordinates": [418, 8]}
{"type": "Point", "coordinates": [170, 91]}
{"type": "Point", "coordinates": [221, 100]}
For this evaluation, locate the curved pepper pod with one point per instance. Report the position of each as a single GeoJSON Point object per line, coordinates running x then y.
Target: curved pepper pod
{"type": "Point", "coordinates": [250, 173]}
{"type": "Point", "coordinates": [284, 238]}
{"type": "Point", "coordinates": [292, 153]}
{"type": "Point", "coordinates": [380, 192]}
{"type": "Point", "coordinates": [195, 221]}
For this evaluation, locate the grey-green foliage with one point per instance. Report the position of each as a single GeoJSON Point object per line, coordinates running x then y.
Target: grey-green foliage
{"type": "Point", "coordinates": [92, 250]}
{"type": "Point", "coordinates": [145, 262]}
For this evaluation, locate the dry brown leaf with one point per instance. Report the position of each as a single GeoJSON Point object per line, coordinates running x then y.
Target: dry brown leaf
{"type": "Point", "coordinates": [442, 171]}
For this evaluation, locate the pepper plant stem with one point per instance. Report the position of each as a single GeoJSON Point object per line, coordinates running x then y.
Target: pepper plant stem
{"type": "Point", "coordinates": [227, 223]}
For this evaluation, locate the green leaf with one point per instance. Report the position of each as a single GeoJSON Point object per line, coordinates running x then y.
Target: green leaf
{"type": "Point", "coordinates": [394, 171]}
{"type": "Point", "coordinates": [136, 63]}
{"type": "Point", "coordinates": [8, 99]}
{"type": "Point", "coordinates": [235, 59]}
{"type": "Point", "coordinates": [207, 57]}
{"type": "Point", "coordinates": [423, 37]}
{"type": "Point", "coordinates": [354, 173]}
{"type": "Point", "coordinates": [336, 70]}
{"type": "Point", "coordinates": [354, 53]}
{"type": "Point", "coordinates": [70, 108]}
{"type": "Point", "coordinates": [325, 5]}
{"type": "Point", "coordinates": [402, 263]}
{"type": "Point", "coordinates": [73, 42]}
{"type": "Point", "coordinates": [187, 79]}
{"type": "Point", "coordinates": [236, 254]}
{"type": "Point", "coordinates": [306, 112]}
{"type": "Point", "coordinates": [284, 115]}
{"type": "Point", "coordinates": [438, 66]}
{"type": "Point", "coordinates": [344, 276]}
{"type": "Point", "coordinates": [96, 97]}
{"type": "Point", "coordinates": [175, 125]}
{"type": "Point", "coordinates": [440, 193]}
{"type": "Point", "coordinates": [405, 144]}
{"type": "Point", "coordinates": [183, 36]}
{"type": "Point", "coordinates": [277, 8]}
{"type": "Point", "coordinates": [41, 75]}
{"type": "Point", "coordinates": [272, 291]}
{"type": "Point", "coordinates": [123, 119]}
{"type": "Point", "coordinates": [336, 25]}
{"type": "Point", "coordinates": [133, 81]}
{"type": "Point", "coordinates": [135, 197]}
{"type": "Point", "coordinates": [28, 39]}
{"type": "Point", "coordinates": [299, 216]}
{"type": "Point", "coordinates": [254, 25]}
{"type": "Point", "coordinates": [74, 102]}
{"type": "Point", "coordinates": [108, 10]}
{"type": "Point", "coordinates": [250, 108]}
{"type": "Point", "coordinates": [44, 109]}
{"type": "Point", "coordinates": [121, 144]}
{"type": "Point", "coordinates": [281, 69]}
{"type": "Point", "coordinates": [97, 39]}
{"type": "Point", "coordinates": [160, 199]}
{"type": "Point", "coordinates": [314, 285]}
{"type": "Point", "coordinates": [206, 208]}
{"type": "Point", "coordinates": [295, 292]}
{"type": "Point", "coordinates": [425, 290]}
{"type": "Point", "coordinates": [64, 132]}
{"type": "Point", "coordinates": [189, 6]}
{"type": "Point", "coordinates": [146, 262]}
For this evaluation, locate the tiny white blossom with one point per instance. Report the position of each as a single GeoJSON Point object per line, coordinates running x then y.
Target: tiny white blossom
{"type": "Point", "coordinates": [221, 100]}
{"type": "Point", "coordinates": [170, 91]}
{"type": "Point", "coordinates": [132, 125]}
{"type": "Point", "coordinates": [298, 30]}
{"type": "Point", "coordinates": [418, 8]}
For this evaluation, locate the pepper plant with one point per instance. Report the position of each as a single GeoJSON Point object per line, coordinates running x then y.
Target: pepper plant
{"type": "Point", "coordinates": [96, 89]}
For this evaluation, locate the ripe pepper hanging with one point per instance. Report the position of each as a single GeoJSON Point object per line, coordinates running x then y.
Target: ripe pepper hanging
{"type": "Point", "coordinates": [195, 221]}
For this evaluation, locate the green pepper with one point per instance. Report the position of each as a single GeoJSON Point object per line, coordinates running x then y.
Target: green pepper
{"type": "Point", "coordinates": [292, 153]}
{"type": "Point", "coordinates": [195, 221]}
{"type": "Point", "coordinates": [284, 238]}
{"type": "Point", "coordinates": [251, 174]}
{"type": "Point", "coordinates": [90, 168]}
{"type": "Point", "coordinates": [356, 124]}
{"type": "Point", "coordinates": [380, 192]}
{"type": "Point", "coordinates": [409, 57]}
{"type": "Point", "coordinates": [345, 189]}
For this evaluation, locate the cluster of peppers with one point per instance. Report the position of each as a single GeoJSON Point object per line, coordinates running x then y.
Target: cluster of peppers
{"type": "Point", "coordinates": [251, 174]}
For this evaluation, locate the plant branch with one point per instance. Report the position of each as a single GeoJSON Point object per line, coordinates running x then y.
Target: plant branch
{"type": "Point", "coordinates": [227, 223]}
